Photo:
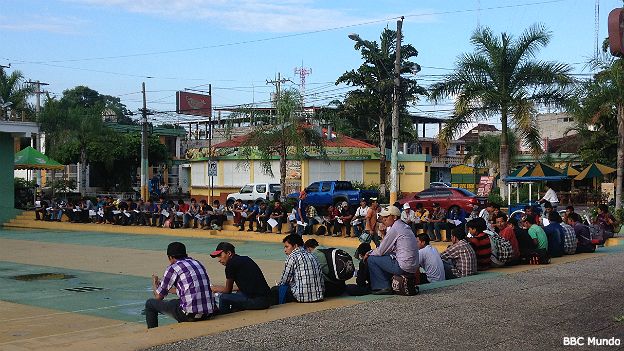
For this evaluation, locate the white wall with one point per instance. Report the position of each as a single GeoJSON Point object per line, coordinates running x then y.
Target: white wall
{"type": "Point", "coordinates": [260, 177]}
{"type": "Point", "coordinates": [354, 171]}
{"type": "Point", "coordinates": [234, 173]}
{"type": "Point", "coordinates": [321, 170]}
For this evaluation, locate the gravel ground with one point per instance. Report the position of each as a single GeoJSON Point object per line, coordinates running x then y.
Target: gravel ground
{"type": "Point", "coordinates": [531, 310]}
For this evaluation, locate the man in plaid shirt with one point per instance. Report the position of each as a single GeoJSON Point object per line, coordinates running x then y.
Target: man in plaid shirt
{"type": "Point", "coordinates": [302, 274]}
{"type": "Point", "coordinates": [188, 279]}
{"type": "Point", "coordinates": [459, 258]}
{"type": "Point", "coordinates": [569, 239]}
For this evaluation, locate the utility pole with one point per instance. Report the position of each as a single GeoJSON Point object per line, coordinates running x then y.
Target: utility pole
{"type": "Point", "coordinates": [395, 116]}
{"type": "Point", "coordinates": [211, 178]}
{"type": "Point", "coordinates": [144, 143]}
{"type": "Point", "coordinates": [37, 113]}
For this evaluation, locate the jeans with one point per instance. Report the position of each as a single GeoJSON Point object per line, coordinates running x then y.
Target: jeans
{"type": "Point", "coordinates": [448, 273]}
{"type": "Point", "coordinates": [170, 308]}
{"type": "Point", "coordinates": [381, 269]}
{"type": "Point", "coordinates": [238, 301]}
{"type": "Point", "coordinates": [435, 226]}
{"type": "Point", "coordinates": [358, 229]}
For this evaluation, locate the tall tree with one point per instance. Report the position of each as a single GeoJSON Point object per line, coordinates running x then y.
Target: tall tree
{"type": "Point", "coordinates": [14, 90]}
{"type": "Point", "coordinates": [600, 103]}
{"type": "Point", "coordinates": [485, 151]}
{"type": "Point", "coordinates": [370, 106]}
{"type": "Point", "coordinates": [502, 78]}
{"type": "Point", "coordinates": [285, 136]}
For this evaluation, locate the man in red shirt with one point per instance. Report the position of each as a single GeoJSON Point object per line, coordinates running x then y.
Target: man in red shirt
{"type": "Point", "coordinates": [506, 231]}
{"type": "Point", "coordinates": [480, 242]}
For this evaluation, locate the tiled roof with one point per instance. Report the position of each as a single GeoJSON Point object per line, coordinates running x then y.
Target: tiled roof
{"type": "Point", "coordinates": [337, 141]}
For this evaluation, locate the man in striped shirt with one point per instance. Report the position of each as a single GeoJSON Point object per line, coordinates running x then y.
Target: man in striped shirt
{"type": "Point", "coordinates": [302, 274]}
{"type": "Point", "coordinates": [480, 242]}
{"type": "Point", "coordinates": [188, 279]}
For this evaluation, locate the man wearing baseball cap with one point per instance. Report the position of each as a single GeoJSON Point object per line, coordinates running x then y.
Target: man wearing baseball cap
{"type": "Point", "coordinates": [253, 291]}
{"type": "Point", "coordinates": [397, 254]}
{"type": "Point", "coordinates": [188, 279]}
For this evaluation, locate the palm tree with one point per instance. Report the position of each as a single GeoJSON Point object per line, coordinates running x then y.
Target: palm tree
{"type": "Point", "coordinates": [14, 90]}
{"type": "Point", "coordinates": [285, 136]}
{"type": "Point", "coordinates": [502, 78]}
{"type": "Point", "coordinates": [600, 103]}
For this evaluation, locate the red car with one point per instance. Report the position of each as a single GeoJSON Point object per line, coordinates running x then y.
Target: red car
{"type": "Point", "coordinates": [446, 197]}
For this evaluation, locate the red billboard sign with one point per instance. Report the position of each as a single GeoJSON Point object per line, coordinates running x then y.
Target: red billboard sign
{"type": "Point", "coordinates": [193, 104]}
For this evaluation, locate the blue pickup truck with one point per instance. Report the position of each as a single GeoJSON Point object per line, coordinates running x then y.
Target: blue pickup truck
{"type": "Point", "coordinates": [325, 193]}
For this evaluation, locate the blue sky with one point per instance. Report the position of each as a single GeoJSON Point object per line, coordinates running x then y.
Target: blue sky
{"type": "Point", "coordinates": [236, 45]}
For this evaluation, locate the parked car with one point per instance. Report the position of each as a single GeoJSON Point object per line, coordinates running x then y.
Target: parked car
{"type": "Point", "coordinates": [440, 185]}
{"type": "Point", "coordinates": [446, 197]}
{"type": "Point", "coordinates": [257, 192]}
{"type": "Point", "coordinates": [325, 193]}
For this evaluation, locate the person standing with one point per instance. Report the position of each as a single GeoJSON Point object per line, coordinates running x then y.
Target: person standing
{"type": "Point", "coordinates": [253, 291]}
{"type": "Point", "coordinates": [188, 279]}
{"type": "Point", "coordinates": [300, 213]}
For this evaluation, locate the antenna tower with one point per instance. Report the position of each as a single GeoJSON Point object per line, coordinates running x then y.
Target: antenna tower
{"type": "Point", "coordinates": [302, 72]}
{"type": "Point", "coordinates": [597, 27]}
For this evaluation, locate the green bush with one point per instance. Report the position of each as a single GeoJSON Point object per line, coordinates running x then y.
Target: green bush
{"type": "Point", "coordinates": [495, 198]}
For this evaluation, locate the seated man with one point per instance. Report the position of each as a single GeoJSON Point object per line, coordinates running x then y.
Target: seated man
{"type": "Point", "coordinates": [343, 220]}
{"type": "Point", "coordinates": [358, 219]}
{"type": "Point", "coordinates": [537, 234]}
{"type": "Point", "coordinates": [263, 217]}
{"type": "Point", "coordinates": [396, 255]}
{"type": "Point", "coordinates": [421, 214]}
{"type": "Point", "coordinates": [459, 258]}
{"type": "Point", "coordinates": [480, 242]}
{"type": "Point", "coordinates": [569, 238]}
{"type": "Point", "coordinates": [40, 209]}
{"type": "Point", "coordinates": [506, 231]}
{"type": "Point", "coordinates": [333, 287]}
{"type": "Point", "coordinates": [583, 235]}
{"type": "Point", "coordinates": [251, 213]}
{"type": "Point", "coordinates": [302, 277]}
{"type": "Point", "coordinates": [554, 234]}
{"type": "Point", "coordinates": [218, 216]}
{"type": "Point", "coordinates": [253, 291]}
{"type": "Point", "coordinates": [188, 279]}
{"type": "Point", "coordinates": [430, 261]}
{"type": "Point", "coordinates": [362, 279]}
{"type": "Point", "coordinates": [278, 213]}
{"type": "Point", "coordinates": [436, 223]}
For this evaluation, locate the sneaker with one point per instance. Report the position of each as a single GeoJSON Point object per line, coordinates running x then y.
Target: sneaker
{"type": "Point", "coordinates": [386, 291]}
{"type": "Point", "coordinates": [241, 229]}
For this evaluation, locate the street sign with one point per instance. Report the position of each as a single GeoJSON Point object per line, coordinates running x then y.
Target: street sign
{"type": "Point", "coordinates": [212, 168]}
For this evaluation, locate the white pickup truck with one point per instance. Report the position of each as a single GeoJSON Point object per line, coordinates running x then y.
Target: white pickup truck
{"type": "Point", "coordinates": [257, 192]}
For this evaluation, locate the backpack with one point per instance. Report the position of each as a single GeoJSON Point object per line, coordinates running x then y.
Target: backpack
{"type": "Point", "coordinates": [597, 234]}
{"type": "Point", "coordinates": [405, 284]}
{"type": "Point", "coordinates": [340, 264]}
{"type": "Point", "coordinates": [502, 251]}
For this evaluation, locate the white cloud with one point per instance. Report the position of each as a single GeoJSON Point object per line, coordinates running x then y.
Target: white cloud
{"type": "Point", "coordinates": [63, 25]}
{"type": "Point", "coordinates": [279, 16]}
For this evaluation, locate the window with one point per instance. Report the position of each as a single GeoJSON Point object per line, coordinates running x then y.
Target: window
{"type": "Point", "coordinates": [427, 150]}
{"type": "Point", "coordinates": [444, 193]}
{"type": "Point", "coordinates": [313, 188]}
{"type": "Point", "coordinates": [247, 189]}
{"type": "Point", "coordinates": [275, 188]}
{"type": "Point", "coordinates": [431, 192]}
{"type": "Point", "coordinates": [343, 186]}
{"type": "Point", "coordinates": [326, 187]}
{"type": "Point", "coordinates": [261, 188]}
{"type": "Point", "coordinates": [465, 192]}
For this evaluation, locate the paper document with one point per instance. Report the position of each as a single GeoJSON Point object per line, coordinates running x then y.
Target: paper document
{"type": "Point", "coordinates": [164, 213]}
{"type": "Point", "coordinates": [244, 214]}
{"type": "Point", "coordinates": [339, 221]}
{"type": "Point", "coordinates": [180, 214]}
{"type": "Point", "coordinates": [291, 217]}
{"type": "Point", "coordinates": [76, 210]}
{"type": "Point", "coordinates": [301, 223]}
{"type": "Point", "coordinates": [91, 213]}
{"type": "Point", "coordinates": [127, 214]}
{"type": "Point", "coordinates": [37, 203]}
{"type": "Point", "coordinates": [116, 212]}
{"type": "Point", "coordinates": [272, 222]}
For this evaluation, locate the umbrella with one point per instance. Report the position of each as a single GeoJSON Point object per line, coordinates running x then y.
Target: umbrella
{"type": "Point", "coordinates": [570, 171]}
{"type": "Point", "coordinates": [594, 170]}
{"type": "Point", "coordinates": [29, 158]}
{"type": "Point", "coordinates": [519, 172]}
{"type": "Point", "coordinates": [543, 170]}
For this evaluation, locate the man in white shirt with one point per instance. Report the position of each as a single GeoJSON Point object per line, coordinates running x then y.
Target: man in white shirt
{"type": "Point", "coordinates": [550, 196]}
{"type": "Point", "coordinates": [430, 261]}
{"type": "Point", "coordinates": [359, 218]}
{"type": "Point", "coordinates": [409, 217]}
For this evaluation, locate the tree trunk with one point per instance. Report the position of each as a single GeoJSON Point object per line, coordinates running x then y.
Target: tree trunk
{"type": "Point", "coordinates": [620, 156]}
{"type": "Point", "coordinates": [282, 156]}
{"type": "Point", "coordinates": [83, 172]}
{"type": "Point", "coordinates": [503, 155]}
{"type": "Point", "coordinates": [382, 159]}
